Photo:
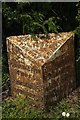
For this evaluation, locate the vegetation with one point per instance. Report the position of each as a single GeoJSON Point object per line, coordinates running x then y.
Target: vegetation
{"type": "Point", "coordinates": [20, 108]}
{"type": "Point", "coordinates": [31, 18]}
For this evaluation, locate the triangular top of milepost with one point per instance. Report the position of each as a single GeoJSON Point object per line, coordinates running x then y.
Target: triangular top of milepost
{"type": "Point", "coordinates": [41, 49]}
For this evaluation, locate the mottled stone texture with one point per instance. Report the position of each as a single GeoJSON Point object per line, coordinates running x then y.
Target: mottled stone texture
{"type": "Point", "coordinates": [43, 69]}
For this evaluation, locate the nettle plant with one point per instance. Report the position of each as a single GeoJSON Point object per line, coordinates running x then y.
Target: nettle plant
{"type": "Point", "coordinates": [29, 22]}
{"type": "Point", "coordinates": [35, 23]}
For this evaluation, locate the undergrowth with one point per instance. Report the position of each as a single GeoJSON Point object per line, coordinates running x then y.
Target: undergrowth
{"type": "Point", "coordinates": [19, 108]}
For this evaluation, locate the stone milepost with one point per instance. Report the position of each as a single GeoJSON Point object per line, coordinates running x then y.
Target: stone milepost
{"type": "Point", "coordinates": [43, 70]}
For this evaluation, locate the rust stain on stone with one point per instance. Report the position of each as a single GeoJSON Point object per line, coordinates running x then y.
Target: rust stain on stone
{"type": "Point", "coordinates": [42, 70]}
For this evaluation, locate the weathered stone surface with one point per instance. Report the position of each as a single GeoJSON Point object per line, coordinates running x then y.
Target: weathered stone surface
{"type": "Point", "coordinates": [42, 70]}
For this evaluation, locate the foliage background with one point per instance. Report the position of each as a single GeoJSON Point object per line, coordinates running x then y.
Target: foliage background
{"type": "Point", "coordinates": [30, 18]}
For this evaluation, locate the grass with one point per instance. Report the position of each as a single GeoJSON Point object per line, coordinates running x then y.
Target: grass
{"type": "Point", "coordinates": [19, 108]}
